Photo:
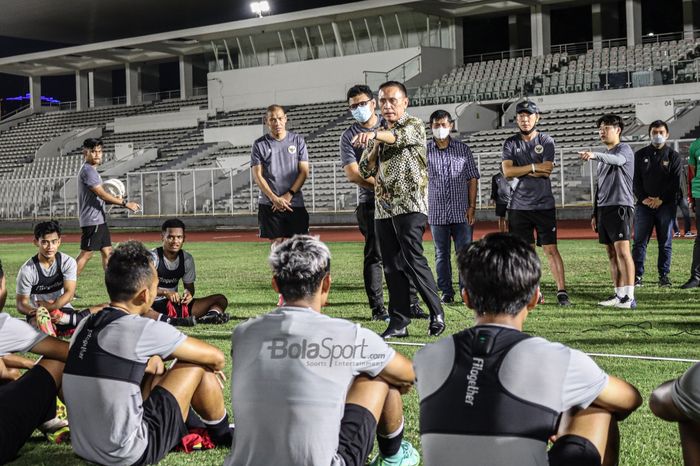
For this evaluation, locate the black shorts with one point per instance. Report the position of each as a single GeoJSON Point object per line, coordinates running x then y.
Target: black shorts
{"type": "Point", "coordinates": [573, 450]}
{"type": "Point", "coordinates": [95, 238]}
{"type": "Point", "coordinates": [501, 210]}
{"type": "Point", "coordinates": [162, 416]}
{"type": "Point", "coordinates": [25, 404]}
{"type": "Point", "coordinates": [282, 224]}
{"type": "Point", "coordinates": [161, 306]}
{"type": "Point", "coordinates": [523, 223]}
{"type": "Point", "coordinates": [356, 438]}
{"type": "Point", "coordinates": [614, 223]}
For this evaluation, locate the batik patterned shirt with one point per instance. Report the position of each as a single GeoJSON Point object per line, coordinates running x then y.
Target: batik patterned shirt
{"type": "Point", "coordinates": [401, 173]}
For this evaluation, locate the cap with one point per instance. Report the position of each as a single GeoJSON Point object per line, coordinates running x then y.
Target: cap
{"type": "Point", "coordinates": [527, 106]}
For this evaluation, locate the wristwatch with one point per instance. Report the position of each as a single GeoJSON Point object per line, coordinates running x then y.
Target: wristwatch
{"type": "Point", "coordinates": [291, 191]}
{"type": "Point", "coordinates": [123, 202]}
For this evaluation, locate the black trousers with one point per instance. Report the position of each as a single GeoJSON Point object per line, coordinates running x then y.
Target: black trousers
{"type": "Point", "coordinates": [372, 269]}
{"type": "Point", "coordinates": [401, 242]}
{"type": "Point", "coordinates": [695, 267]}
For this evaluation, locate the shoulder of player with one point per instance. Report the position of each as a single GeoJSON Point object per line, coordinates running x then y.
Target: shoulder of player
{"type": "Point", "coordinates": [545, 138]}
{"type": "Point", "coordinates": [66, 259]}
{"type": "Point", "coordinates": [187, 256]}
{"type": "Point", "coordinates": [432, 350]}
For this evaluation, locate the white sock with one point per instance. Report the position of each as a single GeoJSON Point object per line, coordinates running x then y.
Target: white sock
{"type": "Point", "coordinates": [213, 423]}
{"type": "Point", "coordinates": [396, 432]}
{"type": "Point", "coordinates": [629, 291]}
{"type": "Point", "coordinates": [620, 291]}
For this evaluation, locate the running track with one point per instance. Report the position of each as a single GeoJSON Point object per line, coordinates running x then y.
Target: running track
{"type": "Point", "coordinates": [568, 229]}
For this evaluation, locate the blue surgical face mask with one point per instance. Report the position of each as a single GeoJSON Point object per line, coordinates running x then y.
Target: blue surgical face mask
{"type": "Point", "coordinates": [658, 139]}
{"type": "Point", "coordinates": [362, 114]}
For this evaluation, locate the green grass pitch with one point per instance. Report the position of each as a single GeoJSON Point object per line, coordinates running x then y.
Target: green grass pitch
{"type": "Point", "coordinates": [666, 323]}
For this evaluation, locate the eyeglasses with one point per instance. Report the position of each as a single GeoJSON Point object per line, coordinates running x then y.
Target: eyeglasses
{"type": "Point", "coordinates": [605, 128]}
{"type": "Point", "coordinates": [359, 104]}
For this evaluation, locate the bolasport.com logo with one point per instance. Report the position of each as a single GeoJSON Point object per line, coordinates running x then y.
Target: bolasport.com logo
{"type": "Point", "coordinates": [324, 353]}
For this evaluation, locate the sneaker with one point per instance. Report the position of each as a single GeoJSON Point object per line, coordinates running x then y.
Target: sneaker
{"type": "Point", "coordinates": [380, 314]}
{"type": "Point", "coordinates": [563, 298]}
{"type": "Point", "coordinates": [447, 299]}
{"type": "Point", "coordinates": [678, 234]}
{"type": "Point", "coordinates": [691, 283]}
{"type": "Point", "coordinates": [664, 281]}
{"type": "Point", "coordinates": [214, 317]}
{"type": "Point", "coordinates": [610, 301]}
{"type": "Point", "coordinates": [416, 312]}
{"type": "Point", "coordinates": [189, 321]}
{"type": "Point", "coordinates": [60, 436]}
{"type": "Point", "coordinates": [689, 234]}
{"type": "Point", "coordinates": [638, 281]}
{"type": "Point", "coordinates": [43, 322]}
{"type": "Point", "coordinates": [626, 303]}
{"type": "Point", "coordinates": [406, 456]}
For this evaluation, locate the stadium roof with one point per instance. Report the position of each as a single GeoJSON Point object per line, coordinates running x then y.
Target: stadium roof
{"type": "Point", "coordinates": [78, 20]}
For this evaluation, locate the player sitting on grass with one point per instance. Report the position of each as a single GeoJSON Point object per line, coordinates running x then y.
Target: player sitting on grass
{"type": "Point", "coordinates": [308, 389]}
{"type": "Point", "coordinates": [117, 414]}
{"type": "Point", "coordinates": [493, 395]}
{"type": "Point", "coordinates": [679, 401]}
{"type": "Point", "coordinates": [46, 285]}
{"type": "Point", "coordinates": [29, 402]}
{"type": "Point", "coordinates": [173, 264]}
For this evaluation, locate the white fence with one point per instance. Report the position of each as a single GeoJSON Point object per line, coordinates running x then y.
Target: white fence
{"type": "Point", "coordinates": [217, 191]}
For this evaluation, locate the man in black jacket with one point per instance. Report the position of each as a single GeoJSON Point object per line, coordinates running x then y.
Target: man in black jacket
{"type": "Point", "coordinates": [657, 174]}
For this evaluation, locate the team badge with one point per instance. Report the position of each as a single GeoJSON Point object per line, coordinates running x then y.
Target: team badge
{"type": "Point", "coordinates": [539, 149]}
{"type": "Point", "coordinates": [665, 163]}
{"type": "Point", "coordinates": [292, 149]}
{"type": "Point", "coordinates": [646, 160]}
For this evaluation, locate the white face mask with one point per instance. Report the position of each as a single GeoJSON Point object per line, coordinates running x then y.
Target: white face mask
{"type": "Point", "coordinates": [658, 139]}
{"type": "Point", "coordinates": [441, 133]}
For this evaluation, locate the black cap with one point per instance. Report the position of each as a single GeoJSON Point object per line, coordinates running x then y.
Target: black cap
{"type": "Point", "coordinates": [527, 106]}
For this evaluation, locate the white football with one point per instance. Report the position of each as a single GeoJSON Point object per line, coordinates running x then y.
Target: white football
{"type": "Point", "coordinates": [115, 187]}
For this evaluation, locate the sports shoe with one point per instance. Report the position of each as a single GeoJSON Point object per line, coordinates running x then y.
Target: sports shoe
{"type": "Point", "coordinates": [626, 303]}
{"type": "Point", "coordinates": [188, 321]}
{"type": "Point", "coordinates": [678, 234]}
{"type": "Point", "coordinates": [60, 436]}
{"type": "Point", "coordinates": [610, 301]}
{"type": "Point", "coordinates": [43, 321]}
{"type": "Point", "coordinates": [415, 312]}
{"type": "Point", "coordinates": [691, 283]}
{"type": "Point", "coordinates": [380, 314]}
{"type": "Point", "coordinates": [664, 281]}
{"type": "Point", "coordinates": [406, 456]}
{"type": "Point", "coordinates": [638, 281]}
{"type": "Point", "coordinates": [689, 234]}
{"type": "Point", "coordinates": [214, 317]}
{"type": "Point", "coordinates": [563, 298]}
{"type": "Point", "coordinates": [447, 299]}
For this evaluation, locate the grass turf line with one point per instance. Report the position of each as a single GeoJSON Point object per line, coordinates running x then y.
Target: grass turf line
{"type": "Point", "coordinates": [240, 271]}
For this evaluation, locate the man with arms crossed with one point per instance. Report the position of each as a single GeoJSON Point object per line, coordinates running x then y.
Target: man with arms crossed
{"type": "Point", "coordinates": [308, 389]}
{"type": "Point", "coordinates": [362, 106]}
{"type": "Point", "coordinates": [679, 401]}
{"type": "Point", "coordinates": [280, 164]}
{"type": "Point", "coordinates": [395, 158]}
{"type": "Point", "coordinates": [529, 158]}
{"type": "Point", "coordinates": [452, 183]}
{"type": "Point", "coordinates": [117, 414]}
{"type": "Point", "coordinates": [614, 208]}
{"type": "Point", "coordinates": [46, 283]}
{"type": "Point", "coordinates": [174, 264]}
{"type": "Point", "coordinates": [493, 395]}
{"type": "Point", "coordinates": [91, 204]}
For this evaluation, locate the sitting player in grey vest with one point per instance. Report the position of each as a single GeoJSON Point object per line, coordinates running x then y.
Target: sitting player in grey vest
{"type": "Point", "coordinates": [173, 264]}
{"type": "Point", "coordinates": [679, 401]}
{"type": "Point", "coordinates": [493, 395]}
{"type": "Point", "coordinates": [308, 389]}
{"type": "Point", "coordinates": [29, 402]}
{"type": "Point", "coordinates": [123, 407]}
{"type": "Point", "coordinates": [46, 285]}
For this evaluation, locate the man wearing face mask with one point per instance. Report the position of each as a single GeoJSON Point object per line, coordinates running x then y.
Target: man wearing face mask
{"type": "Point", "coordinates": [362, 107]}
{"type": "Point", "coordinates": [452, 182]}
{"type": "Point", "coordinates": [657, 175]}
{"type": "Point", "coordinates": [527, 161]}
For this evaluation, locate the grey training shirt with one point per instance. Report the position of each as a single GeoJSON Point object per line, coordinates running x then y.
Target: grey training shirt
{"type": "Point", "coordinates": [350, 154]}
{"type": "Point", "coordinates": [615, 176]}
{"type": "Point", "coordinates": [27, 277]}
{"type": "Point", "coordinates": [190, 274]}
{"type": "Point", "coordinates": [291, 372]}
{"type": "Point", "coordinates": [530, 193]}
{"type": "Point", "coordinates": [91, 207]}
{"type": "Point", "coordinates": [685, 393]}
{"type": "Point", "coordinates": [17, 336]}
{"type": "Point", "coordinates": [280, 164]}
{"type": "Point", "coordinates": [534, 370]}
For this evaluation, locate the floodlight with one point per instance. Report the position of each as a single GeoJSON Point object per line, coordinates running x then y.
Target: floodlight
{"type": "Point", "coordinates": [260, 7]}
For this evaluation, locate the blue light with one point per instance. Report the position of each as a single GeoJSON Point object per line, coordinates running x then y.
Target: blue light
{"type": "Point", "coordinates": [28, 96]}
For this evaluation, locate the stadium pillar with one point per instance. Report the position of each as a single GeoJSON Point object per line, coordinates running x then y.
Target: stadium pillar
{"type": "Point", "coordinates": [338, 38]}
{"type": "Point", "coordinates": [688, 25]}
{"type": "Point", "coordinates": [633, 13]}
{"type": "Point", "coordinates": [597, 26]}
{"type": "Point", "coordinates": [81, 90]}
{"type": "Point", "coordinates": [185, 76]}
{"type": "Point", "coordinates": [133, 85]}
{"type": "Point", "coordinates": [513, 44]}
{"type": "Point", "coordinates": [540, 30]}
{"type": "Point", "coordinates": [100, 84]}
{"type": "Point", "coordinates": [35, 93]}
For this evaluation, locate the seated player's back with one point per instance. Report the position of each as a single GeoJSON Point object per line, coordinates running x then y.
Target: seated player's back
{"type": "Point", "coordinates": [505, 420]}
{"type": "Point", "coordinates": [106, 412]}
{"type": "Point", "coordinates": [291, 372]}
